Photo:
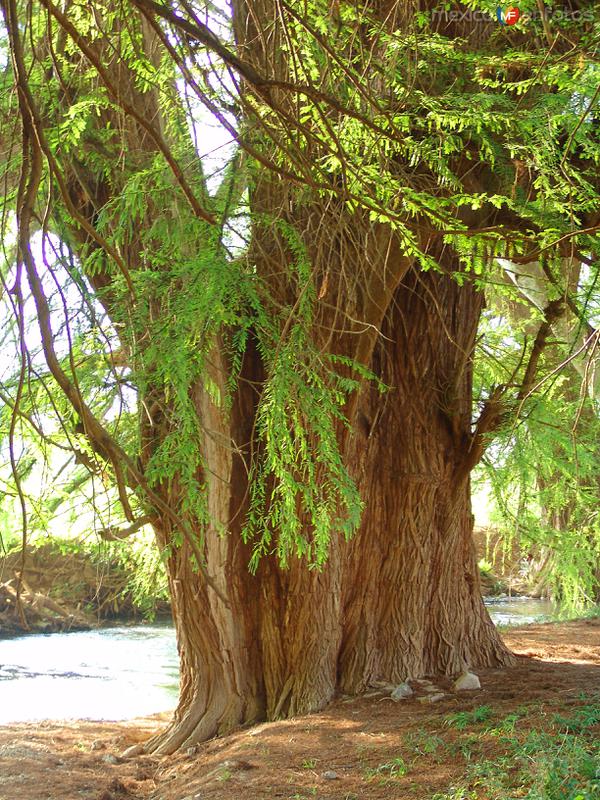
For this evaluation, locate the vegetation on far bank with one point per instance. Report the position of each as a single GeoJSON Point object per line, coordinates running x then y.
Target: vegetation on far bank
{"type": "Point", "coordinates": [63, 584]}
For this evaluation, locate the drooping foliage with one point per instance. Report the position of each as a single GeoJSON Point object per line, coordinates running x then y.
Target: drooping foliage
{"type": "Point", "coordinates": [542, 467]}
{"type": "Point", "coordinates": [133, 255]}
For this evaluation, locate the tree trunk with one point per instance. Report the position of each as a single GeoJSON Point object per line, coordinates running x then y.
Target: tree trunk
{"type": "Point", "coordinates": [400, 600]}
{"type": "Point", "coordinates": [413, 604]}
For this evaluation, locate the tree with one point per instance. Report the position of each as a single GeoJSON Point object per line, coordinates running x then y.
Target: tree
{"type": "Point", "coordinates": [544, 468]}
{"type": "Point", "coordinates": [302, 435]}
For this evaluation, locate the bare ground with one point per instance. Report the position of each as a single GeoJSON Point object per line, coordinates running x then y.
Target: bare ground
{"type": "Point", "coordinates": [349, 751]}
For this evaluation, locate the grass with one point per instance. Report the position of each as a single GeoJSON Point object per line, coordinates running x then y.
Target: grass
{"type": "Point", "coordinates": [425, 743]}
{"type": "Point", "coordinates": [536, 755]}
{"type": "Point", "coordinates": [582, 719]}
{"type": "Point", "coordinates": [542, 750]}
{"type": "Point", "coordinates": [463, 719]}
{"type": "Point", "coordinates": [455, 793]}
{"type": "Point", "coordinates": [224, 775]}
{"type": "Point", "coordinates": [542, 766]}
{"type": "Point", "coordinates": [388, 772]}
{"type": "Point", "coordinates": [571, 615]}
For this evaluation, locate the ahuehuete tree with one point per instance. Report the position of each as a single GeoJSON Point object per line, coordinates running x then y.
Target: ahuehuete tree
{"type": "Point", "coordinates": [303, 434]}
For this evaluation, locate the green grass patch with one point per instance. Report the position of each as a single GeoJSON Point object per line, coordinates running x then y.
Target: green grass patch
{"type": "Point", "coordinates": [536, 756]}
{"type": "Point", "coordinates": [464, 719]}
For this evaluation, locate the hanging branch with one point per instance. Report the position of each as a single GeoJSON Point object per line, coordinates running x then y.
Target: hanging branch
{"type": "Point", "coordinates": [162, 146]}
{"type": "Point", "coordinates": [125, 470]}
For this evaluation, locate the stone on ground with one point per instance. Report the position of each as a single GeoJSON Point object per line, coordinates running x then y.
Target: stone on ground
{"type": "Point", "coordinates": [402, 692]}
{"type": "Point", "coordinates": [467, 681]}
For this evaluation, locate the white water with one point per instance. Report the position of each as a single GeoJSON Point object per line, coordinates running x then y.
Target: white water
{"type": "Point", "coordinates": [120, 673]}
{"type": "Point", "coordinates": [520, 610]}
{"type": "Point", "coordinates": [114, 673]}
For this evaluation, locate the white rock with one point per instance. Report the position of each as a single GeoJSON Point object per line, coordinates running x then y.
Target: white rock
{"type": "Point", "coordinates": [330, 775]}
{"type": "Point", "coordinates": [402, 692]}
{"type": "Point", "coordinates": [435, 698]}
{"type": "Point", "coordinates": [466, 681]}
{"type": "Point", "coordinates": [134, 750]}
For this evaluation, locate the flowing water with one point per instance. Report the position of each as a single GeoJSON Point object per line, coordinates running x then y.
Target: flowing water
{"type": "Point", "coordinates": [113, 673]}
{"type": "Point", "coordinates": [120, 673]}
{"type": "Point", "coordinates": [520, 610]}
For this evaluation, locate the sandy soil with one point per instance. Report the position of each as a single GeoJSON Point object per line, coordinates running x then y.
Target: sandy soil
{"type": "Point", "coordinates": [346, 752]}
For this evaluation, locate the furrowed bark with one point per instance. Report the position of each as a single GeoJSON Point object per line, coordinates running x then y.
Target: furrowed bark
{"type": "Point", "coordinates": [412, 600]}
{"type": "Point", "coordinates": [400, 600]}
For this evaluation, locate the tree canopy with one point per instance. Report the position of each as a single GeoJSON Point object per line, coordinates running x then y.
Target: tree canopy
{"type": "Point", "coordinates": [236, 237]}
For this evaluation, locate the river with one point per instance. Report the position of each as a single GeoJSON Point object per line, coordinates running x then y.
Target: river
{"type": "Point", "coordinates": [120, 673]}
{"type": "Point", "coordinates": [111, 673]}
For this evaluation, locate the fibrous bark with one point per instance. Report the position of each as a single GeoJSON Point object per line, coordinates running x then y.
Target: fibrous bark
{"type": "Point", "coordinates": [400, 600]}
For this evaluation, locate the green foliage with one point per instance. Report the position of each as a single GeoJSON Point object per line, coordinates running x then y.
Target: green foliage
{"type": "Point", "coordinates": [580, 721]}
{"type": "Point", "coordinates": [388, 772]}
{"type": "Point", "coordinates": [463, 719]}
{"type": "Point", "coordinates": [143, 563]}
{"type": "Point", "coordinates": [543, 473]}
{"type": "Point", "coordinates": [531, 760]}
{"type": "Point", "coordinates": [548, 767]}
{"type": "Point", "coordinates": [425, 743]}
{"type": "Point", "coordinates": [444, 98]}
{"type": "Point", "coordinates": [10, 538]}
{"type": "Point", "coordinates": [300, 480]}
{"type": "Point", "coordinates": [401, 126]}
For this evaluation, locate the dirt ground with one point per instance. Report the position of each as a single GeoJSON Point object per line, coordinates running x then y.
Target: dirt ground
{"type": "Point", "coordinates": [369, 747]}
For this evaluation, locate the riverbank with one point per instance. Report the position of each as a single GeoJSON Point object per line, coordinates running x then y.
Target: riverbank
{"type": "Point", "coordinates": [535, 722]}
{"type": "Point", "coordinates": [57, 587]}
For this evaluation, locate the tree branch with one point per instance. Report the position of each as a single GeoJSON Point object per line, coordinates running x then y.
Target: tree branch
{"type": "Point", "coordinates": [498, 408]}
{"type": "Point", "coordinates": [114, 534]}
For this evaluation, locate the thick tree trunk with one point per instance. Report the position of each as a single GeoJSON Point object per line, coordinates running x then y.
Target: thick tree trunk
{"type": "Point", "coordinates": [412, 598]}
{"type": "Point", "coordinates": [401, 600]}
